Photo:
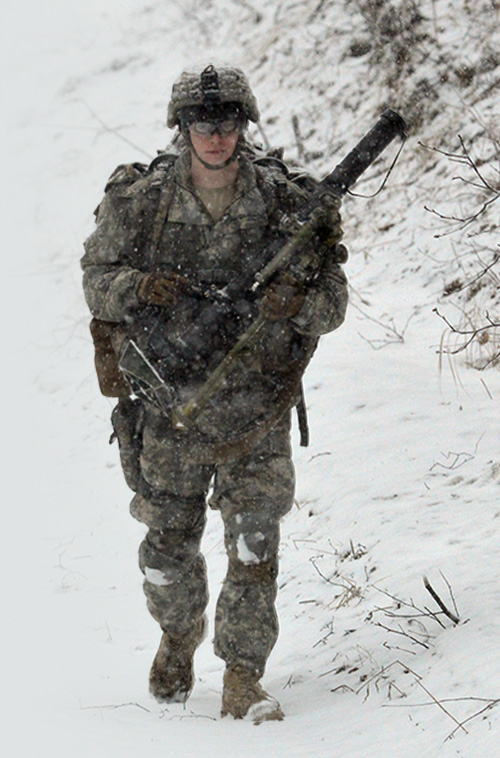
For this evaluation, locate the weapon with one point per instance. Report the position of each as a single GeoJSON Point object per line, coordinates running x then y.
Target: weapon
{"type": "Point", "coordinates": [289, 255]}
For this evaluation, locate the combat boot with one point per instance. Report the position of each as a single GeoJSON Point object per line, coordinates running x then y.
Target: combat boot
{"type": "Point", "coordinates": [171, 678]}
{"type": "Point", "coordinates": [243, 697]}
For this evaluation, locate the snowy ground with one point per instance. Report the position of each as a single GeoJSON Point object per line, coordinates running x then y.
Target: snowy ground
{"type": "Point", "coordinates": [400, 481]}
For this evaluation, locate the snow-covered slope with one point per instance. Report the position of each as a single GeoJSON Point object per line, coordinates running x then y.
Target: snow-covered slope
{"type": "Point", "coordinates": [401, 478]}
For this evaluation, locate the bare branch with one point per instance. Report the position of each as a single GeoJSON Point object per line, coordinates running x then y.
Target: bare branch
{"type": "Point", "coordinates": [450, 590]}
{"type": "Point", "coordinates": [113, 707]}
{"type": "Point", "coordinates": [403, 633]}
{"type": "Point", "coordinates": [298, 137]}
{"type": "Point", "coordinates": [488, 707]}
{"type": "Point", "coordinates": [418, 680]}
{"type": "Point", "coordinates": [393, 334]}
{"type": "Point", "coordinates": [474, 167]}
{"type": "Point", "coordinates": [438, 600]}
{"type": "Point", "coordinates": [496, 259]}
{"type": "Point", "coordinates": [465, 159]}
{"type": "Point", "coordinates": [115, 131]}
{"type": "Point", "coordinates": [472, 334]}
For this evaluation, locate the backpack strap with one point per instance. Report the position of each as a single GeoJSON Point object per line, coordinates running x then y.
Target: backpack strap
{"type": "Point", "coordinates": [165, 187]}
{"type": "Point", "coordinates": [302, 418]}
{"type": "Point", "coordinates": [164, 202]}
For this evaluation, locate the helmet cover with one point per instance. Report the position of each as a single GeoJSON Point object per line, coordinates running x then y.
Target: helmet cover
{"type": "Point", "coordinates": [209, 90]}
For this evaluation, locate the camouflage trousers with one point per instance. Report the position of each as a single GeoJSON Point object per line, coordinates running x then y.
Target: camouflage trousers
{"type": "Point", "coordinates": [252, 494]}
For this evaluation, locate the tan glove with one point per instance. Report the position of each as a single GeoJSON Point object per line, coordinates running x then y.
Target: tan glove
{"type": "Point", "coordinates": [282, 299]}
{"type": "Point", "coordinates": [162, 289]}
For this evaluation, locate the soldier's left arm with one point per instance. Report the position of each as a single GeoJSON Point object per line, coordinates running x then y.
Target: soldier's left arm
{"type": "Point", "coordinates": [326, 299]}
{"type": "Point", "coordinates": [325, 302]}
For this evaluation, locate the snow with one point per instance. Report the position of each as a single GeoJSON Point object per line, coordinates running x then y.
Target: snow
{"type": "Point", "coordinates": [156, 577]}
{"type": "Point", "coordinates": [267, 709]}
{"type": "Point", "coordinates": [402, 476]}
{"type": "Point", "coordinates": [245, 555]}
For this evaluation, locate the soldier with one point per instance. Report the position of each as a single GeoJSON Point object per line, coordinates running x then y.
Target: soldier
{"type": "Point", "coordinates": [171, 240]}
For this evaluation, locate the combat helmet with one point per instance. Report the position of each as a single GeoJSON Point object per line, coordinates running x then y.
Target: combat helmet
{"type": "Point", "coordinates": [210, 90]}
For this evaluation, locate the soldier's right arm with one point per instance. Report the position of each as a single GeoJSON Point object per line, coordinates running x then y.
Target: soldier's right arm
{"type": "Point", "coordinates": [111, 264]}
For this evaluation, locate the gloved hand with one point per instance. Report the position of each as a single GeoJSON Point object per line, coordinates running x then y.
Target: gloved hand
{"type": "Point", "coordinates": [282, 299]}
{"type": "Point", "coordinates": [162, 289]}
{"type": "Point", "coordinates": [328, 227]}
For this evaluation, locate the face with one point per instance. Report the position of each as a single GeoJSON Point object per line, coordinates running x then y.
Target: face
{"type": "Point", "coordinates": [215, 148]}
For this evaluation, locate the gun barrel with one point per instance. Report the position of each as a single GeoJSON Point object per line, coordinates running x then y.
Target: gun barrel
{"type": "Point", "coordinates": [343, 176]}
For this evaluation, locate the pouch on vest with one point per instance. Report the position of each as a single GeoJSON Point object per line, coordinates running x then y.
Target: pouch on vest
{"type": "Point", "coordinates": [127, 420]}
{"type": "Point", "coordinates": [111, 381]}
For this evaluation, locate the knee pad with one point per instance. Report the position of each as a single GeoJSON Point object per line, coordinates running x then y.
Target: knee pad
{"type": "Point", "coordinates": [252, 537]}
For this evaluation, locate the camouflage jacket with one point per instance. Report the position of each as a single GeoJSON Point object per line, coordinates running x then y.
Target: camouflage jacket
{"type": "Point", "coordinates": [119, 253]}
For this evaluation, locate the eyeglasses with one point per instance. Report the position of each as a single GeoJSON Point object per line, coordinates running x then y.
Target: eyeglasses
{"type": "Point", "coordinates": [205, 128]}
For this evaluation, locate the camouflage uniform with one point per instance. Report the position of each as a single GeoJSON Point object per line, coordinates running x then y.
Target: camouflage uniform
{"type": "Point", "coordinates": [253, 490]}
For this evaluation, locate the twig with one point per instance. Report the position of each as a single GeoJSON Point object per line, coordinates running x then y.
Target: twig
{"type": "Point", "coordinates": [349, 588]}
{"type": "Point", "coordinates": [474, 167]}
{"type": "Point", "coordinates": [323, 640]}
{"type": "Point", "coordinates": [393, 335]}
{"type": "Point", "coordinates": [418, 680]}
{"type": "Point", "coordinates": [113, 707]}
{"type": "Point", "coordinates": [459, 458]}
{"type": "Point", "coordinates": [115, 131]}
{"type": "Point", "coordinates": [496, 259]}
{"type": "Point", "coordinates": [396, 647]}
{"type": "Point", "coordinates": [434, 616]}
{"type": "Point", "coordinates": [474, 715]}
{"type": "Point", "coordinates": [486, 186]}
{"type": "Point", "coordinates": [470, 333]}
{"type": "Point", "coordinates": [403, 633]}
{"type": "Point", "coordinates": [494, 358]}
{"type": "Point", "coordinates": [485, 385]}
{"type": "Point", "coordinates": [323, 576]}
{"type": "Point", "coordinates": [488, 700]}
{"type": "Point", "coordinates": [298, 137]}
{"type": "Point", "coordinates": [192, 715]}
{"type": "Point", "coordinates": [426, 613]}
{"type": "Point", "coordinates": [450, 590]}
{"type": "Point", "coordinates": [462, 222]}
{"type": "Point", "coordinates": [318, 455]}
{"type": "Point", "coordinates": [438, 600]}
{"type": "Point", "coordinates": [343, 687]}
{"type": "Point", "coordinates": [402, 603]}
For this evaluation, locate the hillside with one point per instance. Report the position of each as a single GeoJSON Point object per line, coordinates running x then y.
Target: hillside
{"type": "Point", "coordinates": [402, 476]}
